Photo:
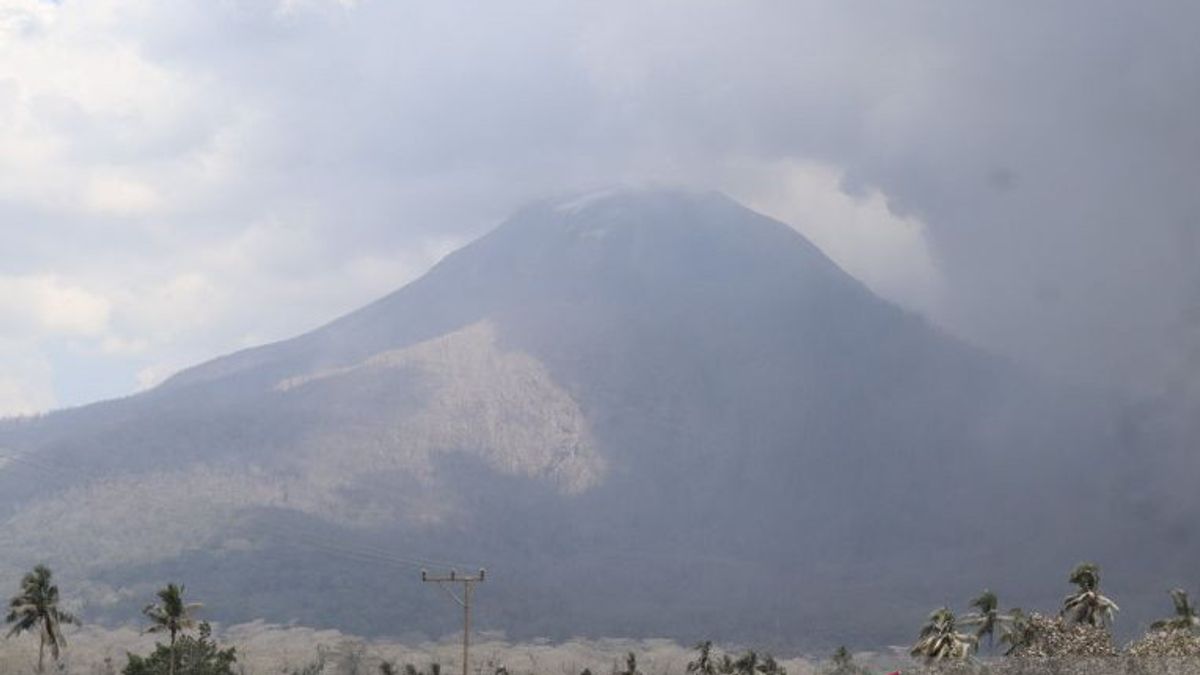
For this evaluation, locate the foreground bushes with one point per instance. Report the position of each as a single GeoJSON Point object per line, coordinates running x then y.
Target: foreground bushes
{"type": "Point", "coordinates": [192, 656]}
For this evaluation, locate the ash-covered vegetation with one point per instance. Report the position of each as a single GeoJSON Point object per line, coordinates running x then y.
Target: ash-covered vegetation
{"type": "Point", "coordinates": [172, 639]}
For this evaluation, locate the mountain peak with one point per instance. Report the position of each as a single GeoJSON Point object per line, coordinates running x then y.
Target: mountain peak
{"type": "Point", "coordinates": [628, 195]}
{"type": "Point", "coordinates": [648, 236]}
{"type": "Point", "coordinates": [647, 247]}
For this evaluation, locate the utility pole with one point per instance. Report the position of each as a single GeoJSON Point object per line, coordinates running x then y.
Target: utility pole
{"type": "Point", "coordinates": [468, 583]}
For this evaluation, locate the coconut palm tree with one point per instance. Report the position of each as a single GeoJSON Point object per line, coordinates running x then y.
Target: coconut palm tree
{"type": "Point", "coordinates": [940, 639]}
{"type": "Point", "coordinates": [630, 665]}
{"type": "Point", "coordinates": [1017, 632]}
{"type": "Point", "coordinates": [1087, 605]}
{"type": "Point", "coordinates": [171, 615]}
{"type": "Point", "coordinates": [36, 606]}
{"type": "Point", "coordinates": [1185, 615]}
{"type": "Point", "coordinates": [704, 664]}
{"type": "Point", "coordinates": [842, 663]}
{"type": "Point", "coordinates": [987, 617]}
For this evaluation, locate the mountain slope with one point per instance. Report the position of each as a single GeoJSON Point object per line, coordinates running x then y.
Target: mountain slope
{"type": "Point", "coordinates": [652, 413]}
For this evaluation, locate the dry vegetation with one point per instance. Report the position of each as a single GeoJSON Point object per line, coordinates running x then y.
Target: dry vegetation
{"type": "Point", "coordinates": [1077, 640]}
{"type": "Point", "coordinates": [267, 649]}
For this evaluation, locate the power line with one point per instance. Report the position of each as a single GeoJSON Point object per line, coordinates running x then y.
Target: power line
{"type": "Point", "coordinates": [366, 550]}
{"type": "Point", "coordinates": [329, 545]}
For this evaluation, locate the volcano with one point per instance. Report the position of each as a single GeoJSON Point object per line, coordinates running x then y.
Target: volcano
{"type": "Point", "coordinates": [645, 412]}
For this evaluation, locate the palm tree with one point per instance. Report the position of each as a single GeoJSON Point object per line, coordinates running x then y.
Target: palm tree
{"type": "Point", "coordinates": [1185, 616]}
{"type": "Point", "coordinates": [1088, 605]}
{"type": "Point", "coordinates": [36, 606]}
{"type": "Point", "coordinates": [842, 663]}
{"type": "Point", "coordinates": [704, 664]}
{"type": "Point", "coordinates": [727, 665]}
{"type": "Point", "coordinates": [1018, 631]}
{"type": "Point", "coordinates": [940, 639]}
{"type": "Point", "coordinates": [630, 665]}
{"type": "Point", "coordinates": [988, 616]}
{"type": "Point", "coordinates": [171, 615]}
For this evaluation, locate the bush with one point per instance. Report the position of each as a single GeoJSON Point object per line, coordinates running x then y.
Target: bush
{"type": "Point", "coordinates": [193, 656]}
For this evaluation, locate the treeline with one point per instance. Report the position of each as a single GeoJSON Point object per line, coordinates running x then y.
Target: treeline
{"type": "Point", "coordinates": [1075, 639]}
{"type": "Point", "coordinates": [983, 639]}
{"type": "Point", "coordinates": [35, 610]}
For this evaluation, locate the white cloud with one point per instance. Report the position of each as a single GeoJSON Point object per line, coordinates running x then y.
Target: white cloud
{"type": "Point", "coordinates": [286, 7]}
{"type": "Point", "coordinates": [22, 395]}
{"type": "Point", "coordinates": [92, 125]}
{"type": "Point", "coordinates": [157, 314]}
{"type": "Point", "coordinates": [887, 252]}
{"type": "Point", "coordinates": [154, 375]}
{"type": "Point", "coordinates": [51, 306]}
{"type": "Point", "coordinates": [106, 193]}
{"type": "Point", "coordinates": [26, 379]}
{"type": "Point", "coordinates": [22, 17]}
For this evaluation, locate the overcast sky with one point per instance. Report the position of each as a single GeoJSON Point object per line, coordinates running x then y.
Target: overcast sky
{"type": "Point", "coordinates": [181, 179]}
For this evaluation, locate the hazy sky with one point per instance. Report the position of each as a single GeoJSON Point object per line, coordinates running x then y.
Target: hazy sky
{"type": "Point", "coordinates": [180, 179]}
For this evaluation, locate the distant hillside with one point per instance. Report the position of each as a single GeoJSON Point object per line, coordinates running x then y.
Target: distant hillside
{"type": "Point", "coordinates": [646, 412]}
